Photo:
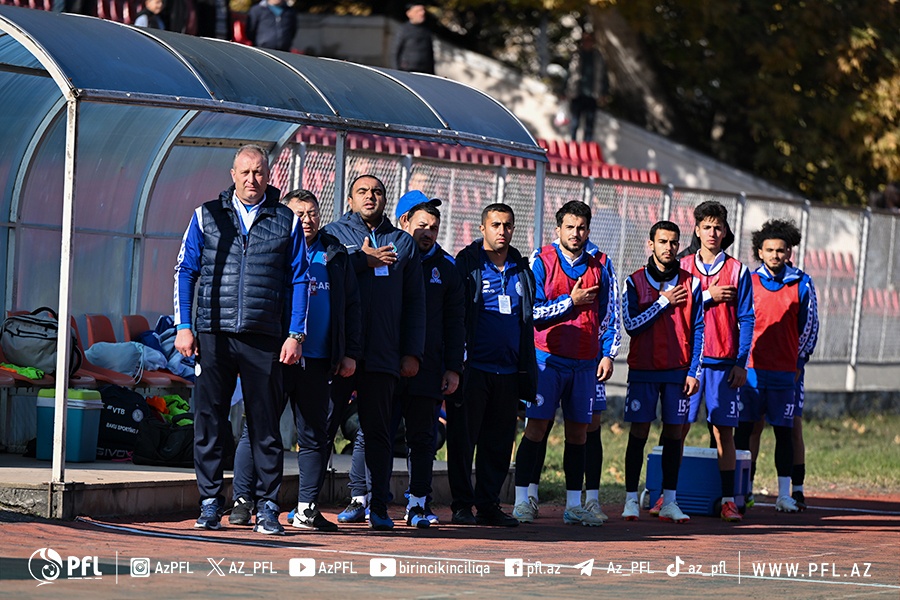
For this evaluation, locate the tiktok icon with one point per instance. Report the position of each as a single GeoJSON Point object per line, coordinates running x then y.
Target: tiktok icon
{"type": "Point", "coordinates": [675, 568]}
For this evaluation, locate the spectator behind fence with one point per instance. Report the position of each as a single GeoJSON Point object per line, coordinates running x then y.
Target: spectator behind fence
{"type": "Point", "coordinates": [413, 46]}
{"type": "Point", "coordinates": [78, 7]}
{"type": "Point", "coordinates": [272, 24]}
{"type": "Point", "coordinates": [249, 254]}
{"type": "Point", "coordinates": [587, 86]}
{"type": "Point", "coordinates": [213, 19]}
{"type": "Point", "coordinates": [151, 15]}
{"type": "Point", "coordinates": [180, 16]}
{"type": "Point", "coordinates": [892, 196]}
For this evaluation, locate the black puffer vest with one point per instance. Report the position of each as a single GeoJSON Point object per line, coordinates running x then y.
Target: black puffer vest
{"type": "Point", "coordinates": [244, 279]}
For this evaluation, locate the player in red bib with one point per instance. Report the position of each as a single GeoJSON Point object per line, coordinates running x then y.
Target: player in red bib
{"type": "Point", "coordinates": [728, 319]}
{"type": "Point", "coordinates": [784, 337]}
{"type": "Point", "coordinates": [662, 311]}
{"type": "Point", "coordinates": [571, 312]}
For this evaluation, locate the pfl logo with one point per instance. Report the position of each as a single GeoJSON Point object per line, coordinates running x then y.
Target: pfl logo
{"type": "Point", "coordinates": [45, 566]}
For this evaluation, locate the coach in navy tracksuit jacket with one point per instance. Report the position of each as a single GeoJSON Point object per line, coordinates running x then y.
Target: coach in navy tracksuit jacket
{"type": "Point", "coordinates": [444, 340]}
{"type": "Point", "coordinates": [392, 297]}
{"type": "Point", "coordinates": [420, 397]}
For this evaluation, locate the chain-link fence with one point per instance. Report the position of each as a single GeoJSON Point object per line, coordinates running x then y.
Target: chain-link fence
{"type": "Point", "coordinates": [852, 256]}
{"type": "Point", "coordinates": [879, 326]}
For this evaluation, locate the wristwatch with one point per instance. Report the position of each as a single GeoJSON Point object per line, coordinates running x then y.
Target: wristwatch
{"type": "Point", "coordinates": [300, 337]}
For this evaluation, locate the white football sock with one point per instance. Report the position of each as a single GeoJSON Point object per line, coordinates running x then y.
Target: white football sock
{"type": "Point", "coordinates": [521, 494]}
{"type": "Point", "coordinates": [784, 486]}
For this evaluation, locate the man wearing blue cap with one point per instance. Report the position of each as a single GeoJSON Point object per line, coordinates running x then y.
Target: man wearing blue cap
{"type": "Point", "coordinates": [420, 397]}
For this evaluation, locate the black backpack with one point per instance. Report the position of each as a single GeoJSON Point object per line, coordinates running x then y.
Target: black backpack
{"type": "Point", "coordinates": [165, 444]}
{"type": "Point", "coordinates": [123, 412]}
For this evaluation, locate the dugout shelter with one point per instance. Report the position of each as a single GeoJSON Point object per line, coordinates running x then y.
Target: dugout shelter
{"type": "Point", "coordinates": [112, 134]}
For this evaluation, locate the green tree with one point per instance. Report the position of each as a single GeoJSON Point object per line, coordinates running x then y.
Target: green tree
{"type": "Point", "coordinates": [801, 93]}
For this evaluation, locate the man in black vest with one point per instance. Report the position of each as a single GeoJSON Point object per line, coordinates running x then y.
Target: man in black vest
{"type": "Point", "coordinates": [249, 254]}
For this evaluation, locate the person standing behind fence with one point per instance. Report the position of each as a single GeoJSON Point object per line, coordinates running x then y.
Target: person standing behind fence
{"type": "Point", "coordinates": [249, 254]}
{"type": "Point", "coordinates": [392, 296]}
{"type": "Point", "coordinates": [500, 369]}
{"type": "Point", "coordinates": [587, 87]}
{"type": "Point", "coordinates": [272, 24]}
{"type": "Point", "coordinates": [151, 15]}
{"type": "Point", "coordinates": [784, 337]}
{"type": "Point", "coordinates": [213, 19]}
{"type": "Point", "coordinates": [662, 310]}
{"type": "Point", "coordinates": [413, 48]}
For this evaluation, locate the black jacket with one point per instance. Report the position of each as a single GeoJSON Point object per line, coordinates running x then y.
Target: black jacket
{"type": "Point", "coordinates": [445, 333]}
{"type": "Point", "coordinates": [154, 21]}
{"type": "Point", "coordinates": [392, 307]}
{"type": "Point", "coordinates": [244, 284]}
{"type": "Point", "coordinates": [346, 329]}
{"type": "Point", "coordinates": [469, 262]}
{"type": "Point", "coordinates": [413, 49]}
{"type": "Point", "coordinates": [265, 30]}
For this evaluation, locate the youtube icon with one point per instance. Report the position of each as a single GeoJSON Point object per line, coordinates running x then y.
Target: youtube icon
{"type": "Point", "coordinates": [302, 567]}
{"type": "Point", "coordinates": [383, 567]}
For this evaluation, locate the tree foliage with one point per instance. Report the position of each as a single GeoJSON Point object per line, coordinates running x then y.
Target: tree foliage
{"type": "Point", "coordinates": [801, 93]}
{"type": "Point", "coordinates": [805, 93]}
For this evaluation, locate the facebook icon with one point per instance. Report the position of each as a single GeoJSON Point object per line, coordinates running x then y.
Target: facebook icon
{"type": "Point", "coordinates": [513, 567]}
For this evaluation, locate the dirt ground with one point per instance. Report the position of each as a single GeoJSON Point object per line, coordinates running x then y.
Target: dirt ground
{"type": "Point", "coordinates": [842, 546]}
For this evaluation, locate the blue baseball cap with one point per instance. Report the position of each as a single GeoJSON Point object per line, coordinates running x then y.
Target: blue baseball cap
{"type": "Point", "coordinates": [413, 198]}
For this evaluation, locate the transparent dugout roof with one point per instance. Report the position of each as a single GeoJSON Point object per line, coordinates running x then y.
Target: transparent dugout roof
{"type": "Point", "coordinates": [107, 61]}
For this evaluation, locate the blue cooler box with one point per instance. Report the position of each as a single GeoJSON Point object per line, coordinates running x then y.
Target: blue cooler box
{"type": "Point", "coordinates": [82, 424]}
{"type": "Point", "coordinates": [699, 484]}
